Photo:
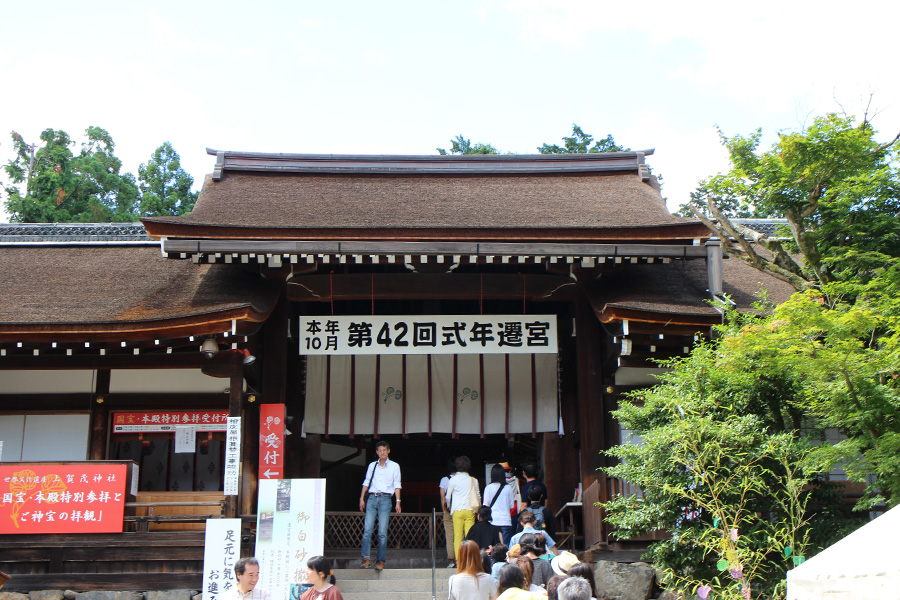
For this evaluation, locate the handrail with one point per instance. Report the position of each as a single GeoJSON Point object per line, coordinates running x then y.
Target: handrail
{"type": "Point", "coordinates": [432, 532]}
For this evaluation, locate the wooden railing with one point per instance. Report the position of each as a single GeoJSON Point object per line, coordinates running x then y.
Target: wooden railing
{"type": "Point", "coordinates": [174, 511]}
{"type": "Point", "coordinates": [413, 531]}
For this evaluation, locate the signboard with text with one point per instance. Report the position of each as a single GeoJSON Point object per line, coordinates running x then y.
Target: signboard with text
{"type": "Point", "coordinates": [221, 550]}
{"type": "Point", "coordinates": [167, 420]}
{"type": "Point", "coordinates": [62, 497]}
{"type": "Point", "coordinates": [290, 528]}
{"type": "Point", "coordinates": [271, 441]}
{"type": "Point", "coordinates": [232, 457]}
{"type": "Point", "coordinates": [428, 334]}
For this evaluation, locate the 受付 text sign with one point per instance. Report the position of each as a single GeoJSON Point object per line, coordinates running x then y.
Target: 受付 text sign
{"type": "Point", "coordinates": [428, 334]}
{"type": "Point", "coordinates": [271, 441]}
{"type": "Point", "coordinates": [62, 498]}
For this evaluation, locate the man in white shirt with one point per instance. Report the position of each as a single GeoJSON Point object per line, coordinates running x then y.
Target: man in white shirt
{"type": "Point", "coordinates": [247, 572]}
{"type": "Point", "coordinates": [382, 480]}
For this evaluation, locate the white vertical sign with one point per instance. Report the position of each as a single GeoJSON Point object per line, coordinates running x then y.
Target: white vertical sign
{"type": "Point", "coordinates": [290, 528]}
{"type": "Point", "coordinates": [185, 438]}
{"type": "Point", "coordinates": [232, 456]}
{"type": "Point", "coordinates": [221, 550]}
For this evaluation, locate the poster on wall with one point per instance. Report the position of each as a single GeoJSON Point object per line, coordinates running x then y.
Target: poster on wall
{"type": "Point", "coordinates": [290, 528]}
{"type": "Point", "coordinates": [221, 550]}
{"type": "Point", "coordinates": [62, 498]}
{"type": "Point", "coordinates": [428, 334]}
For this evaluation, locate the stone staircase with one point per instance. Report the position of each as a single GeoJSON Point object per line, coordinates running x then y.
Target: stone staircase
{"type": "Point", "coordinates": [392, 584]}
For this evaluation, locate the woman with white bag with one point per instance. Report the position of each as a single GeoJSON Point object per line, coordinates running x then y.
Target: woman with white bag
{"type": "Point", "coordinates": [464, 499]}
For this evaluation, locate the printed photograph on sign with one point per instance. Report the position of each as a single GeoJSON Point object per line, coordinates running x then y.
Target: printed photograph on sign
{"type": "Point", "coordinates": [283, 500]}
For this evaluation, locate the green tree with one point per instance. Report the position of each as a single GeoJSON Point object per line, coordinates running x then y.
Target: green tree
{"type": "Point", "coordinates": [580, 143]}
{"type": "Point", "coordinates": [837, 187]}
{"type": "Point", "coordinates": [463, 146]}
{"type": "Point", "coordinates": [165, 185]}
{"type": "Point", "coordinates": [729, 461]}
{"type": "Point", "coordinates": [60, 186]}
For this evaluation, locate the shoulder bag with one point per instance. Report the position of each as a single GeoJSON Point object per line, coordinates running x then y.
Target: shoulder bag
{"type": "Point", "coordinates": [474, 496]}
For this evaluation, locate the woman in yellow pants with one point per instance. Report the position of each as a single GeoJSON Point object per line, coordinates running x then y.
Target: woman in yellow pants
{"type": "Point", "coordinates": [458, 498]}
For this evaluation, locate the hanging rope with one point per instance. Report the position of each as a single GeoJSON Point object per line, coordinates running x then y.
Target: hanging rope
{"type": "Point", "coordinates": [524, 292]}
{"type": "Point", "coordinates": [481, 297]}
{"type": "Point", "coordinates": [331, 291]}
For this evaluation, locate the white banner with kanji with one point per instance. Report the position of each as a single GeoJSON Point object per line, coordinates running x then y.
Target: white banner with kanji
{"type": "Point", "coordinates": [428, 334]}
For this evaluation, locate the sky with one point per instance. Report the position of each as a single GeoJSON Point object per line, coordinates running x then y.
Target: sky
{"type": "Point", "coordinates": [407, 77]}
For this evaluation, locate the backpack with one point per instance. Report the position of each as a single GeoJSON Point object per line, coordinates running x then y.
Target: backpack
{"type": "Point", "coordinates": [539, 518]}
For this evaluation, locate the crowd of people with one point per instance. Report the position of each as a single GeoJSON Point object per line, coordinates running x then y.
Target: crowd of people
{"type": "Point", "coordinates": [500, 543]}
{"type": "Point", "coordinates": [522, 572]}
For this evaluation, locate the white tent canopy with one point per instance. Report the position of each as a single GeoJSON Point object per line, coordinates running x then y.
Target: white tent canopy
{"type": "Point", "coordinates": [865, 564]}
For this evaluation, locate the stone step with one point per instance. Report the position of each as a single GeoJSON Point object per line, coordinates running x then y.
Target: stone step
{"type": "Point", "coordinates": [389, 584]}
{"type": "Point", "coordinates": [393, 595]}
{"type": "Point", "coordinates": [389, 573]}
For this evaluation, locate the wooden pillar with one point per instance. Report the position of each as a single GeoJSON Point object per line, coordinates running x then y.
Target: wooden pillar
{"type": "Point", "coordinates": [561, 474]}
{"type": "Point", "coordinates": [250, 458]}
{"type": "Point", "coordinates": [591, 409]}
{"type": "Point", "coordinates": [100, 416]}
{"type": "Point", "coordinates": [272, 391]}
{"type": "Point", "coordinates": [311, 455]}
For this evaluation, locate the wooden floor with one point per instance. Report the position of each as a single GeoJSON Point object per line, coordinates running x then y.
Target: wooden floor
{"type": "Point", "coordinates": [119, 561]}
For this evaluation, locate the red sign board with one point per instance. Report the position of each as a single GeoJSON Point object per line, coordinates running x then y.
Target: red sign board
{"type": "Point", "coordinates": [166, 420]}
{"type": "Point", "coordinates": [62, 498]}
{"type": "Point", "coordinates": [271, 441]}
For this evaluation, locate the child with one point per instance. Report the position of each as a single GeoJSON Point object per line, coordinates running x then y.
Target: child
{"type": "Point", "coordinates": [498, 555]}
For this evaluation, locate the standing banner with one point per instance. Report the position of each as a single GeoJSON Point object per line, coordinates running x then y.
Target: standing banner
{"type": "Point", "coordinates": [290, 528]}
{"type": "Point", "coordinates": [271, 441]}
{"type": "Point", "coordinates": [232, 457]}
{"type": "Point", "coordinates": [221, 550]}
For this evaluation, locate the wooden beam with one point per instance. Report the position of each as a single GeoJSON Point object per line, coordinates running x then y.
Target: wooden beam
{"type": "Point", "coordinates": [83, 582]}
{"type": "Point", "coordinates": [356, 286]}
{"type": "Point", "coordinates": [180, 360]}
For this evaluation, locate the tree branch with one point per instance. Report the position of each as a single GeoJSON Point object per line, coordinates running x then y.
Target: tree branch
{"type": "Point", "coordinates": [783, 267]}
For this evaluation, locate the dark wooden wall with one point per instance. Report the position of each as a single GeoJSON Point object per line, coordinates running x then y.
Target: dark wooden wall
{"type": "Point", "coordinates": [116, 561]}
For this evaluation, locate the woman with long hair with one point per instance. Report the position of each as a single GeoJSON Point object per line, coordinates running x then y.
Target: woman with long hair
{"type": "Point", "coordinates": [501, 498]}
{"type": "Point", "coordinates": [527, 567]}
{"type": "Point", "coordinates": [512, 585]}
{"type": "Point", "coordinates": [470, 581]}
{"type": "Point", "coordinates": [533, 547]}
{"type": "Point", "coordinates": [585, 571]}
{"type": "Point", "coordinates": [458, 494]}
{"type": "Point", "coordinates": [321, 576]}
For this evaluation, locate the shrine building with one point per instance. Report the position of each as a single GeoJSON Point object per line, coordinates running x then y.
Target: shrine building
{"type": "Point", "coordinates": [497, 306]}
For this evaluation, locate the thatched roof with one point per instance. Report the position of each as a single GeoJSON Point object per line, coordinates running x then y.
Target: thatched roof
{"type": "Point", "coordinates": [586, 197]}
{"type": "Point", "coordinates": [122, 290]}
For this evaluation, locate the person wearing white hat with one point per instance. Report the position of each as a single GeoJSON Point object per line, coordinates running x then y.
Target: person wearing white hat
{"type": "Point", "coordinates": [562, 563]}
